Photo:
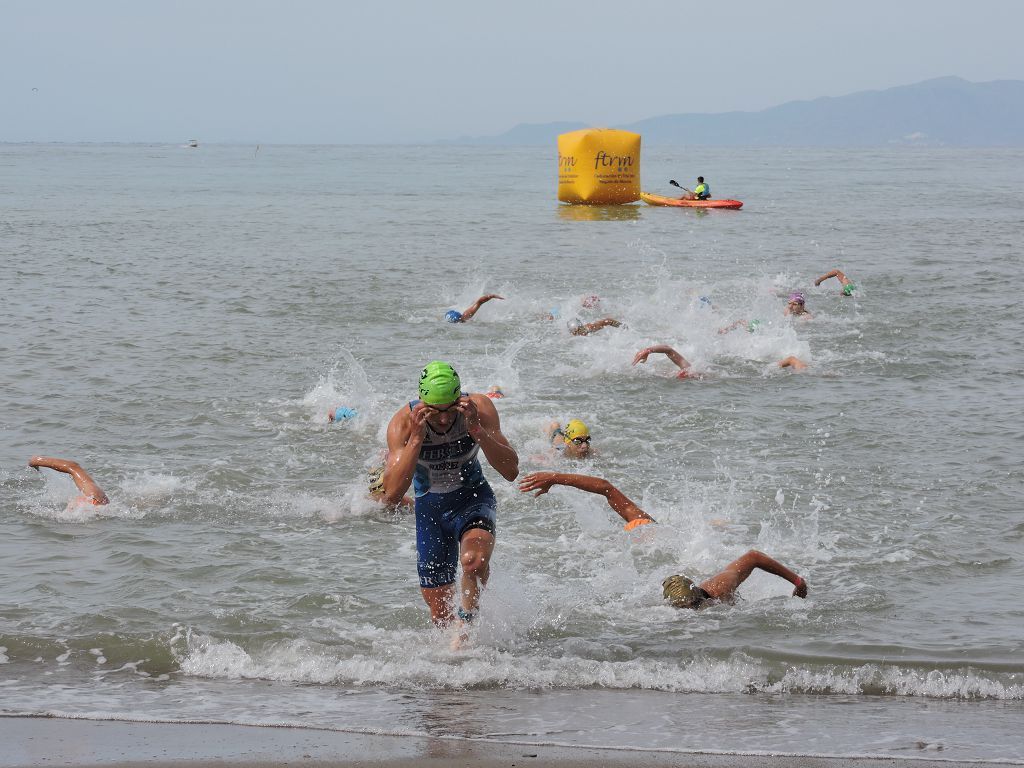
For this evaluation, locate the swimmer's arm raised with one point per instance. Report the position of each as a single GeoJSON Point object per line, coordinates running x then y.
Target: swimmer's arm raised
{"type": "Point", "coordinates": [664, 349]}
{"type": "Point", "coordinates": [85, 484]}
{"type": "Point", "coordinates": [541, 482]}
{"type": "Point", "coordinates": [834, 273]}
{"type": "Point", "coordinates": [405, 437]}
{"type": "Point", "coordinates": [733, 326]}
{"type": "Point", "coordinates": [602, 323]}
{"type": "Point", "coordinates": [475, 306]}
{"type": "Point", "coordinates": [485, 427]}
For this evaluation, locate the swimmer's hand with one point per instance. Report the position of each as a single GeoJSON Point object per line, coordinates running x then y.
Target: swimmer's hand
{"type": "Point", "coordinates": [467, 408]}
{"type": "Point", "coordinates": [540, 482]}
{"type": "Point", "coordinates": [418, 423]}
{"type": "Point", "coordinates": [642, 355]}
{"type": "Point", "coordinates": [800, 590]}
{"type": "Point", "coordinates": [489, 296]}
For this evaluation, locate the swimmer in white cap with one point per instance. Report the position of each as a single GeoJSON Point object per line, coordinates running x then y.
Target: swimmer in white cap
{"type": "Point", "coordinates": [578, 328]}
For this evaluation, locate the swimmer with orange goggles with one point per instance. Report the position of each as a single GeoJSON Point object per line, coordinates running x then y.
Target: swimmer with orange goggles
{"type": "Point", "coordinates": [541, 482]}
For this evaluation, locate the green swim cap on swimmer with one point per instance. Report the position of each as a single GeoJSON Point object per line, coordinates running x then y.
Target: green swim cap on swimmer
{"type": "Point", "coordinates": [439, 384]}
{"type": "Point", "coordinates": [848, 289]}
{"type": "Point", "coordinates": [680, 591]}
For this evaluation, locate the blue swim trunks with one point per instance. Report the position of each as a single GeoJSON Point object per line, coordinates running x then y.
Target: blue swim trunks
{"type": "Point", "coordinates": [441, 521]}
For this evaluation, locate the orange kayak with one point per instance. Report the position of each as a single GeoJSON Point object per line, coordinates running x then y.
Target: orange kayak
{"type": "Point", "coordinates": [650, 199]}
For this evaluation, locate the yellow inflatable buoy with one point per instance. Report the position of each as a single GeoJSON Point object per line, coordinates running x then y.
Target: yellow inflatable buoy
{"type": "Point", "coordinates": [599, 166]}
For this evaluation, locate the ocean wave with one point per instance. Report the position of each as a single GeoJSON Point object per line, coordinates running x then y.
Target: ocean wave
{"type": "Point", "coordinates": [485, 668]}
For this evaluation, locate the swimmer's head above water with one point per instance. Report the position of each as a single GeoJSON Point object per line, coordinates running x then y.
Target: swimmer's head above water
{"type": "Point", "coordinates": [453, 316]}
{"type": "Point", "coordinates": [577, 439]}
{"type": "Point", "coordinates": [849, 289]}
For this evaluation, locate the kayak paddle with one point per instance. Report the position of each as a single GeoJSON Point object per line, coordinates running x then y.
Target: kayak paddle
{"type": "Point", "coordinates": [675, 183]}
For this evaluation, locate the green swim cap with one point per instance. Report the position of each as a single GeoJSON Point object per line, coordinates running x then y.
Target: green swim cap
{"type": "Point", "coordinates": [848, 289]}
{"type": "Point", "coordinates": [439, 384]}
{"type": "Point", "coordinates": [753, 326]}
{"type": "Point", "coordinates": [681, 592]}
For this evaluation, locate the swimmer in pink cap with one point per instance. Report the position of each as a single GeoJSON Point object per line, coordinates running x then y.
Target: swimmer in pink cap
{"type": "Point", "coordinates": [797, 305]}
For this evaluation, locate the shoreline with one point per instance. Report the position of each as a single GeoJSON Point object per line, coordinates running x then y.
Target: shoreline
{"type": "Point", "coordinates": [89, 743]}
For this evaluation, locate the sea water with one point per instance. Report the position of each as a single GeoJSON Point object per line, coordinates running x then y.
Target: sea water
{"type": "Point", "coordinates": [180, 321]}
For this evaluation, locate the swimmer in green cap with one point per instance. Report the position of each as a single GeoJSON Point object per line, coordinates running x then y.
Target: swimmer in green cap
{"type": "Point", "coordinates": [680, 591]}
{"type": "Point", "coordinates": [751, 325]}
{"type": "Point", "coordinates": [846, 287]}
{"type": "Point", "coordinates": [433, 444]}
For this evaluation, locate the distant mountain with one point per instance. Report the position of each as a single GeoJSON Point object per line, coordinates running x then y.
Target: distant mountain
{"type": "Point", "coordinates": [946, 111]}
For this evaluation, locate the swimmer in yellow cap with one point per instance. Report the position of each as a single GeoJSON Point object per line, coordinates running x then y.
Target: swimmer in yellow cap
{"type": "Point", "coordinates": [572, 441]}
{"type": "Point", "coordinates": [89, 491]}
{"type": "Point", "coordinates": [680, 591]}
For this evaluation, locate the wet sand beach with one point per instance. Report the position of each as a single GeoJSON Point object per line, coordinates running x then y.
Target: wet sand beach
{"type": "Point", "coordinates": [86, 743]}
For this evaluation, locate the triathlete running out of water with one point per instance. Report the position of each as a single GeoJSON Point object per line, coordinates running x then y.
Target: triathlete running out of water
{"type": "Point", "coordinates": [846, 287]}
{"type": "Point", "coordinates": [578, 328]}
{"type": "Point", "coordinates": [89, 491]}
{"type": "Point", "coordinates": [454, 316]}
{"type": "Point", "coordinates": [683, 364]}
{"type": "Point", "coordinates": [678, 590]}
{"type": "Point", "coordinates": [433, 444]}
{"type": "Point", "coordinates": [572, 441]}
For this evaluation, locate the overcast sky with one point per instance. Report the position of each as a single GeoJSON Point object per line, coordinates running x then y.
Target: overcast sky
{"type": "Point", "coordinates": [314, 71]}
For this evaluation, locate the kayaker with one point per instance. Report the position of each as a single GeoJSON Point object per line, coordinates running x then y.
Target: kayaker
{"type": "Point", "coordinates": [454, 316]}
{"type": "Point", "coordinates": [846, 286]}
{"type": "Point", "coordinates": [433, 443]}
{"type": "Point", "coordinates": [679, 590]}
{"type": "Point", "coordinates": [700, 192]}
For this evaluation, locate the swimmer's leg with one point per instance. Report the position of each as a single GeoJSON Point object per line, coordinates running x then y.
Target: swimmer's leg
{"type": "Point", "coordinates": [439, 601]}
{"type": "Point", "coordinates": [475, 555]}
